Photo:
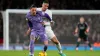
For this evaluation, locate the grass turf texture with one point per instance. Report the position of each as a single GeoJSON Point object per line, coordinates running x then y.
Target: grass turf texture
{"type": "Point", "coordinates": [50, 53]}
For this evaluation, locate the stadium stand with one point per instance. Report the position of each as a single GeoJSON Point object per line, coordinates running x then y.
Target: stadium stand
{"type": "Point", "coordinates": [54, 4]}
{"type": "Point", "coordinates": [63, 27]}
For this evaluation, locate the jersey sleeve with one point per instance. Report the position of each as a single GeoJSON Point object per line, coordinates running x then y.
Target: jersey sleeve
{"type": "Point", "coordinates": [28, 21]}
{"type": "Point", "coordinates": [27, 16]}
{"type": "Point", "coordinates": [30, 24]}
{"type": "Point", "coordinates": [77, 26]}
{"type": "Point", "coordinates": [50, 14]}
{"type": "Point", "coordinates": [86, 25]}
{"type": "Point", "coordinates": [47, 16]}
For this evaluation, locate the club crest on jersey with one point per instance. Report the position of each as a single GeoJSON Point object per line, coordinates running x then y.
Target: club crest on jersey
{"type": "Point", "coordinates": [81, 27]}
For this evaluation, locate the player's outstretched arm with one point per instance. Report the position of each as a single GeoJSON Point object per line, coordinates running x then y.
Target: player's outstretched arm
{"type": "Point", "coordinates": [29, 28]}
{"type": "Point", "coordinates": [88, 29]}
{"type": "Point", "coordinates": [76, 30]}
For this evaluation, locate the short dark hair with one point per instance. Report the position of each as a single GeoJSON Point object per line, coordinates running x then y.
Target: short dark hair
{"type": "Point", "coordinates": [32, 6]}
{"type": "Point", "coordinates": [46, 1]}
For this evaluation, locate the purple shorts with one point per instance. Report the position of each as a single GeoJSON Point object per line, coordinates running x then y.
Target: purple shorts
{"type": "Point", "coordinates": [41, 34]}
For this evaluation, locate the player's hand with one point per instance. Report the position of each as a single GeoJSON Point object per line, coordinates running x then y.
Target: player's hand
{"type": "Point", "coordinates": [52, 23]}
{"type": "Point", "coordinates": [75, 34]}
{"type": "Point", "coordinates": [87, 33]}
{"type": "Point", "coordinates": [28, 32]}
{"type": "Point", "coordinates": [43, 23]}
{"type": "Point", "coordinates": [25, 34]}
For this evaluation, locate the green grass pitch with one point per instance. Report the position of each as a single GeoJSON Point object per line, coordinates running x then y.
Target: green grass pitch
{"type": "Point", "coordinates": [50, 53]}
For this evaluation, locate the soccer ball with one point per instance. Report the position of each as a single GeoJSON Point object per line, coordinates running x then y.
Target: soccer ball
{"type": "Point", "coordinates": [42, 54]}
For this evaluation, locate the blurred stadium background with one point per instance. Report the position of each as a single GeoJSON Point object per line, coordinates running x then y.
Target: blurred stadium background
{"type": "Point", "coordinates": [64, 24]}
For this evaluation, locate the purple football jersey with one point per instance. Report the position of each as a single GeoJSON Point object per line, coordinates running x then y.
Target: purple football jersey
{"type": "Point", "coordinates": [36, 21]}
{"type": "Point", "coordinates": [36, 26]}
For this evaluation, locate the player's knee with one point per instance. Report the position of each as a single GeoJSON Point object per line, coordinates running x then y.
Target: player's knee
{"type": "Point", "coordinates": [79, 39]}
{"type": "Point", "coordinates": [54, 40]}
{"type": "Point", "coordinates": [46, 43]}
{"type": "Point", "coordinates": [32, 38]}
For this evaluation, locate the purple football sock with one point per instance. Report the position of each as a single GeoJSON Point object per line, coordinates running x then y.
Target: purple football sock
{"type": "Point", "coordinates": [31, 47]}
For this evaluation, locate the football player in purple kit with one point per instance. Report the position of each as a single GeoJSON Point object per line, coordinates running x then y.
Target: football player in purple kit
{"type": "Point", "coordinates": [35, 23]}
{"type": "Point", "coordinates": [49, 32]}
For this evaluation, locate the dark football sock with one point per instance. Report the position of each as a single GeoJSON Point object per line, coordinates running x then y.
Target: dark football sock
{"type": "Point", "coordinates": [89, 45]}
{"type": "Point", "coordinates": [78, 43]}
{"type": "Point", "coordinates": [45, 48]}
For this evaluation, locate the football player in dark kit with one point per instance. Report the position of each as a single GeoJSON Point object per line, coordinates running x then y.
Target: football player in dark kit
{"type": "Point", "coordinates": [81, 30]}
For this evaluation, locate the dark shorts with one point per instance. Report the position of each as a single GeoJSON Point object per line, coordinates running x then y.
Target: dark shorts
{"type": "Point", "coordinates": [83, 37]}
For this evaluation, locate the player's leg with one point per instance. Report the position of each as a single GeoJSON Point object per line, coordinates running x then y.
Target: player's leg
{"type": "Point", "coordinates": [50, 34]}
{"type": "Point", "coordinates": [87, 42]}
{"type": "Point", "coordinates": [58, 45]}
{"type": "Point", "coordinates": [78, 43]}
{"type": "Point", "coordinates": [44, 39]}
{"type": "Point", "coordinates": [31, 45]}
{"type": "Point", "coordinates": [45, 45]}
{"type": "Point", "coordinates": [45, 48]}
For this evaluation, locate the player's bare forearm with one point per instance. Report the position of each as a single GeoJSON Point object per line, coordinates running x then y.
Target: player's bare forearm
{"type": "Point", "coordinates": [87, 30]}
{"type": "Point", "coordinates": [76, 30]}
{"type": "Point", "coordinates": [28, 32]}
